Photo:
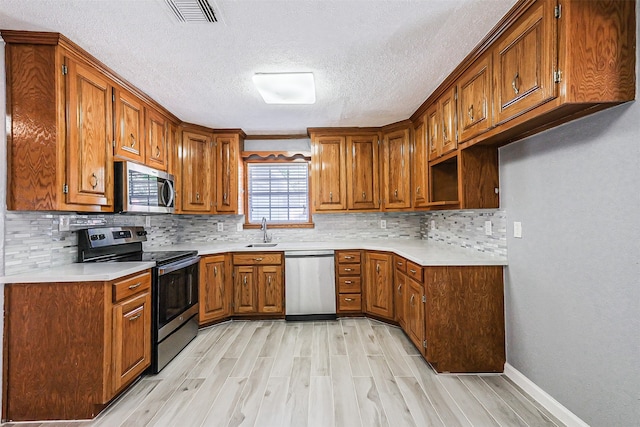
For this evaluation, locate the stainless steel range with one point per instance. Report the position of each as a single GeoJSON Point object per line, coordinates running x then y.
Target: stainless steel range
{"type": "Point", "coordinates": [174, 291]}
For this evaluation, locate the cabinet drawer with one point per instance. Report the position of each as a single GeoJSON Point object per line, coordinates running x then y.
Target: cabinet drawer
{"type": "Point", "coordinates": [131, 286]}
{"type": "Point", "coordinates": [349, 285]}
{"type": "Point", "coordinates": [348, 269]}
{"type": "Point", "coordinates": [414, 271]}
{"type": "Point", "coordinates": [349, 302]}
{"type": "Point", "coordinates": [400, 263]}
{"type": "Point", "coordinates": [348, 257]}
{"type": "Point", "coordinates": [257, 258]}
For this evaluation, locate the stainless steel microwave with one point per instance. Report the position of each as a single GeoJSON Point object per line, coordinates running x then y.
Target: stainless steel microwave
{"type": "Point", "coordinates": [141, 189]}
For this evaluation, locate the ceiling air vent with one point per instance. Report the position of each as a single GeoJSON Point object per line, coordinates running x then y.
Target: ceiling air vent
{"type": "Point", "coordinates": [192, 10]}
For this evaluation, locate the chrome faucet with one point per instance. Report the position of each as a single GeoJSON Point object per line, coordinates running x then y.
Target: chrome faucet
{"type": "Point", "coordinates": [265, 237]}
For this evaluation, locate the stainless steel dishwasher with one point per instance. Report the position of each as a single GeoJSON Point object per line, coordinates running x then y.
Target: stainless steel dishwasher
{"type": "Point", "coordinates": [310, 285]}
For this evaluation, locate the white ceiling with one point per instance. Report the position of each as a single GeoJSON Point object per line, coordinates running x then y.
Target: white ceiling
{"type": "Point", "coordinates": [374, 61]}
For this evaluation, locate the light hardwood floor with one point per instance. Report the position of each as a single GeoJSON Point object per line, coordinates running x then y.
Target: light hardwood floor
{"type": "Point", "coordinates": [351, 372]}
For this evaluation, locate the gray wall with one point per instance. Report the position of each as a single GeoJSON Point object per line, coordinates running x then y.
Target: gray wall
{"type": "Point", "coordinates": [572, 287]}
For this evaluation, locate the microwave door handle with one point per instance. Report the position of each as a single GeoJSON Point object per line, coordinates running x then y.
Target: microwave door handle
{"type": "Point", "coordinates": [171, 192]}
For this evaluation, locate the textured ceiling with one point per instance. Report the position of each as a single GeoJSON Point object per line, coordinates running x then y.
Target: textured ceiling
{"type": "Point", "coordinates": [374, 61]}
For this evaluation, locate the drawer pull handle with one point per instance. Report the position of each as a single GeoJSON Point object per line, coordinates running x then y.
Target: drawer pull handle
{"type": "Point", "coordinates": [244, 280]}
{"type": "Point", "coordinates": [137, 285]}
{"type": "Point", "coordinates": [215, 270]}
{"type": "Point", "coordinates": [515, 84]}
{"type": "Point", "coordinates": [348, 257]}
{"type": "Point", "coordinates": [412, 298]}
{"type": "Point", "coordinates": [418, 189]}
{"type": "Point", "coordinates": [377, 268]}
{"type": "Point", "coordinates": [136, 317]}
{"type": "Point", "coordinates": [348, 269]}
{"type": "Point", "coordinates": [399, 287]}
{"type": "Point", "coordinates": [132, 138]}
{"type": "Point", "coordinates": [348, 299]}
{"type": "Point", "coordinates": [400, 263]}
{"type": "Point", "coordinates": [364, 195]}
{"type": "Point", "coordinates": [471, 113]}
{"type": "Point", "coordinates": [348, 282]}
{"type": "Point", "coordinates": [330, 196]}
{"type": "Point", "coordinates": [413, 271]}
{"type": "Point", "coordinates": [395, 194]}
{"type": "Point", "coordinates": [257, 259]}
{"type": "Point", "coordinates": [269, 280]}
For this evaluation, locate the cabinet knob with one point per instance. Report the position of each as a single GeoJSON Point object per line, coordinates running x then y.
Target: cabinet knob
{"type": "Point", "coordinates": [257, 259]}
{"type": "Point", "coordinates": [94, 181]}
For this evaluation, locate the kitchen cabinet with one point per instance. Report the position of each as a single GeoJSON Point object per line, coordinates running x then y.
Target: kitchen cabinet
{"type": "Point", "coordinates": [363, 191]}
{"type": "Point", "coordinates": [441, 118]}
{"type": "Point", "coordinates": [328, 172]}
{"type": "Point", "coordinates": [465, 318]}
{"type": "Point", "coordinates": [129, 141]}
{"type": "Point", "coordinates": [71, 347]}
{"type": "Point", "coordinates": [474, 100]}
{"type": "Point", "coordinates": [228, 148]}
{"type": "Point", "coordinates": [258, 283]}
{"type": "Point", "coordinates": [157, 147]}
{"type": "Point", "coordinates": [396, 175]}
{"type": "Point", "coordinates": [215, 289]}
{"type": "Point", "coordinates": [414, 309]}
{"type": "Point", "coordinates": [400, 285]}
{"type": "Point", "coordinates": [59, 122]}
{"type": "Point", "coordinates": [198, 172]}
{"type": "Point", "coordinates": [378, 284]}
{"type": "Point", "coordinates": [420, 166]}
{"type": "Point", "coordinates": [349, 282]}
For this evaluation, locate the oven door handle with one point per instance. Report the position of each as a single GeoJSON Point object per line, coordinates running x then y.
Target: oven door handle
{"type": "Point", "coordinates": [165, 269]}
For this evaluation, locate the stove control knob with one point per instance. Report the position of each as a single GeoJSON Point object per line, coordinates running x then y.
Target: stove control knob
{"type": "Point", "coordinates": [142, 233]}
{"type": "Point", "coordinates": [93, 237]}
{"type": "Point", "coordinates": [102, 237]}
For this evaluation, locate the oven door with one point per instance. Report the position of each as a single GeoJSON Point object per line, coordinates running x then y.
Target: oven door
{"type": "Point", "coordinates": [177, 295]}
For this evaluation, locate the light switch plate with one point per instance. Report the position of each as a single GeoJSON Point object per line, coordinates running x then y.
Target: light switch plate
{"type": "Point", "coordinates": [383, 223]}
{"type": "Point", "coordinates": [487, 228]}
{"type": "Point", "coordinates": [220, 226]}
{"type": "Point", "coordinates": [517, 229]}
{"type": "Point", "coordinates": [238, 227]}
{"type": "Point", "coordinates": [433, 224]}
{"type": "Point", "coordinates": [147, 221]}
{"type": "Point", "coordinates": [63, 224]}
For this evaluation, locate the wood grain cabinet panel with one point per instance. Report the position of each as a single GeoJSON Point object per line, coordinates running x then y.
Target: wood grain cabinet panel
{"type": "Point", "coordinates": [396, 176]}
{"type": "Point", "coordinates": [328, 169]}
{"type": "Point", "coordinates": [420, 166]}
{"type": "Point", "coordinates": [129, 125]}
{"type": "Point", "coordinates": [348, 282]}
{"type": "Point", "coordinates": [474, 100]}
{"type": "Point", "coordinates": [157, 144]}
{"type": "Point", "coordinates": [198, 172]}
{"type": "Point", "coordinates": [214, 288]}
{"type": "Point", "coordinates": [270, 289]}
{"type": "Point", "coordinates": [245, 300]}
{"type": "Point", "coordinates": [379, 284]}
{"type": "Point", "coordinates": [258, 283]}
{"type": "Point", "coordinates": [414, 309]}
{"type": "Point", "coordinates": [363, 190]}
{"type": "Point", "coordinates": [399, 300]}
{"type": "Point", "coordinates": [228, 149]}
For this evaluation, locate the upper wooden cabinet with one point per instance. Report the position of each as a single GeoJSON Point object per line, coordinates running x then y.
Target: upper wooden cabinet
{"type": "Point", "coordinates": [419, 166]}
{"type": "Point", "coordinates": [59, 122]}
{"type": "Point", "coordinates": [129, 126]}
{"type": "Point", "coordinates": [474, 100]}
{"type": "Point", "coordinates": [363, 190]}
{"type": "Point", "coordinates": [328, 173]}
{"type": "Point", "coordinates": [228, 148]}
{"type": "Point", "coordinates": [198, 174]}
{"type": "Point", "coordinates": [525, 61]}
{"type": "Point", "coordinates": [156, 150]}
{"type": "Point", "coordinates": [396, 173]}
{"type": "Point", "coordinates": [441, 118]}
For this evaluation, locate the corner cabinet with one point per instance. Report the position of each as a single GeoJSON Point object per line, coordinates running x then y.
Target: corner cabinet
{"type": "Point", "coordinates": [378, 283]}
{"type": "Point", "coordinates": [215, 288]}
{"type": "Point", "coordinates": [60, 130]}
{"type": "Point", "coordinates": [93, 339]}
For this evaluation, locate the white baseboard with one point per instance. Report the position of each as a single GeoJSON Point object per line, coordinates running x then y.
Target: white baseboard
{"type": "Point", "coordinates": [542, 397]}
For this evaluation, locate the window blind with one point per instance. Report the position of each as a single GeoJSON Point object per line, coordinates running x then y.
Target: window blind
{"type": "Point", "coordinates": [278, 192]}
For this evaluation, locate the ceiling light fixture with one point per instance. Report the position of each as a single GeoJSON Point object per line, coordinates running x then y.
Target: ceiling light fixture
{"type": "Point", "coordinates": [286, 88]}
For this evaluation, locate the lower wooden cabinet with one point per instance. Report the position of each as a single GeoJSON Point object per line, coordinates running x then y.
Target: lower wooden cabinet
{"type": "Point", "coordinates": [378, 281]}
{"type": "Point", "coordinates": [348, 282]}
{"type": "Point", "coordinates": [465, 318]}
{"type": "Point", "coordinates": [215, 289]}
{"type": "Point", "coordinates": [258, 283]}
{"type": "Point", "coordinates": [71, 347]}
{"type": "Point", "coordinates": [414, 300]}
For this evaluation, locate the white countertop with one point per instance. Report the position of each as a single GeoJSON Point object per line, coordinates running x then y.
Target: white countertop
{"type": "Point", "coordinates": [419, 251]}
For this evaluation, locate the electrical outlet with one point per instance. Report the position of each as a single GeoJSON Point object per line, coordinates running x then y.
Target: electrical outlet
{"type": "Point", "coordinates": [517, 229]}
{"type": "Point", "coordinates": [221, 226]}
{"type": "Point", "coordinates": [238, 227]}
{"type": "Point", "coordinates": [487, 228]}
{"type": "Point", "coordinates": [433, 224]}
{"type": "Point", "coordinates": [147, 221]}
{"type": "Point", "coordinates": [383, 223]}
{"type": "Point", "coordinates": [63, 224]}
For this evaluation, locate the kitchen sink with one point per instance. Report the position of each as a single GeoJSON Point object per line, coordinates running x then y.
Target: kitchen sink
{"type": "Point", "coordinates": [261, 245]}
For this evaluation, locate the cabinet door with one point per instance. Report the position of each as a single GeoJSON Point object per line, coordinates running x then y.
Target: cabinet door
{"type": "Point", "coordinates": [524, 61]}
{"type": "Point", "coordinates": [420, 167]}
{"type": "Point", "coordinates": [433, 131]}
{"type": "Point", "coordinates": [270, 289]}
{"type": "Point", "coordinates": [131, 339]}
{"type": "Point", "coordinates": [329, 173]}
{"type": "Point", "coordinates": [379, 284]}
{"type": "Point", "coordinates": [90, 132]}
{"type": "Point", "coordinates": [227, 147]}
{"type": "Point", "coordinates": [157, 139]}
{"type": "Point", "coordinates": [414, 312]}
{"type": "Point", "coordinates": [474, 102]}
{"type": "Point", "coordinates": [214, 298]}
{"type": "Point", "coordinates": [129, 125]}
{"type": "Point", "coordinates": [447, 106]}
{"type": "Point", "coordinates": [245, 298]}
{"type": "Point", "coordinates": [363, 191]}
{"type": "Point", "coordinates": [400, 284]}
{"type": "Point", "coordinates": [197, 170]}
{"type": "Point", "coordinates": [395, 170]}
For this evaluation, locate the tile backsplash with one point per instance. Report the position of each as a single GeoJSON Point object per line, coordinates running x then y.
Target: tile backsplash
{"type": "Point", "coordinates": [33, 240]}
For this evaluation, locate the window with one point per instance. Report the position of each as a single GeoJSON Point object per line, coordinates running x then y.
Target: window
{"type": "Point", "coordinates": [278, 191]}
